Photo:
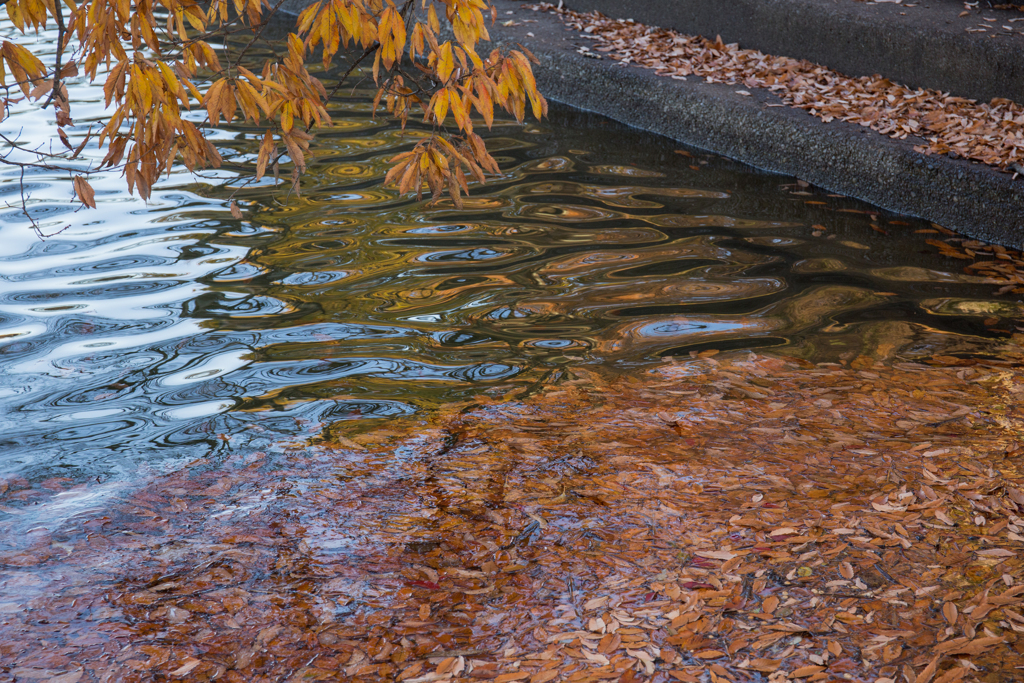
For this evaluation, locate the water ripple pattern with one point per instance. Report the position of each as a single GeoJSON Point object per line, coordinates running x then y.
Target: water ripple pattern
{"type": "Point", "coordinates": [142, 335]}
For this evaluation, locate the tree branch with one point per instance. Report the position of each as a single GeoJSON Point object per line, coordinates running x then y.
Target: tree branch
{"type": "Point", "coordinates": [369, 51]}
{"type": "Point", "coordinates": [259, 33]}
{"type": "Point", "coordinates": [58, 15]}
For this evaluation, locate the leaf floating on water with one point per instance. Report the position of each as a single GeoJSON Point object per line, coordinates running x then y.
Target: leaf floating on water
{"type": "Point", "coordinates": [570, 536]}
{"type": "Point", "coordinates": [186, 668]}
{"type": "Point", "coordinates": [715, 554]}
{"type": "Point", "coordinates": [950, 612]}
{"type": "Point", "coordinates": [784, 531]}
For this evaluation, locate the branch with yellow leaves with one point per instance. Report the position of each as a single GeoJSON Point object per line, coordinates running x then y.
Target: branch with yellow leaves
{"type": "Point", "coordinates": [159, 68]}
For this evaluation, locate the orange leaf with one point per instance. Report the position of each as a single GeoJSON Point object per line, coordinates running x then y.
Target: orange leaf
{"type": "Point", "coordinates": [85, 192]}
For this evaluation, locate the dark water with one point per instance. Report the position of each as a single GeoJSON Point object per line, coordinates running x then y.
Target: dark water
{"type": "Point", "coordinates": [143, 336]}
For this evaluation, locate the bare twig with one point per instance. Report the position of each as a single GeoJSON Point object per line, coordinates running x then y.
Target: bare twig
{"type": "Point", "coordinates": [58, 15]}
{"type": "Point", "coordinates": [24, 209]}
{"type": "Point", "coordinates": [369, 51]}
{"type": "Point", "coordinates": [262, 27]}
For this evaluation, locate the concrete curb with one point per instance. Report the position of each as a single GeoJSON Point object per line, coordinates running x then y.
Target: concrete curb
{"type": "Point", "coordinates": [970, 198]}
{"type": "Point", "coordinates": [924, 46]}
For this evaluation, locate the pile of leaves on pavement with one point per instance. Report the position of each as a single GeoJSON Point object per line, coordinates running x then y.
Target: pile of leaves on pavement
{"type": "Point", "coordinates": [730, 517]}
{"type": "Point", "coordinates": [992, 133]}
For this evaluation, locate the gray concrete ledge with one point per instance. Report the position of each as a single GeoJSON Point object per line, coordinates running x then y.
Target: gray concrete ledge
{"type": "Point", "coordinates": [922, 46]}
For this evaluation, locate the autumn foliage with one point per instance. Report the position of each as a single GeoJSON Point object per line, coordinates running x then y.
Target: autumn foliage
{"type": "Point", "coordinates": [726, 518]}
{"type": "Point", "coordinates": [157, 62]}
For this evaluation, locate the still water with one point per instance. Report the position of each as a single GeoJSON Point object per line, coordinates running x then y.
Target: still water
{"type": "Point", "coordinates": [142, 335]}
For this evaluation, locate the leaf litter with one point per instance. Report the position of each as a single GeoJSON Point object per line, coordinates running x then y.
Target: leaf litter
{"type": "Point", "coordinates": [1003, 266]}
{"type": "Point", "coordinates": [724, 517]}
{"type": "Point", "coordinates": [938, 123]}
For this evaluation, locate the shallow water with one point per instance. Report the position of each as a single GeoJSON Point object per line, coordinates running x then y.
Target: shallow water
{"type": "Point", "coordinates": [141, 336]}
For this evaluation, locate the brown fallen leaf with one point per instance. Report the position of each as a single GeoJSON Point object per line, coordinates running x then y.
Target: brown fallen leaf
{"type": "Point", "coordinates": [186, 667]}
{"type": "Point", "coordinates": [514, 676]}
{"type": "Point", "coordinates": [545, 676]}
{"type": "Point", "coordinates": [715, 554]}
{"type": "Point", "coordinates": [806, 671]}
{"type": "Point", "coordinates": [949, 612]}
{"type": "Point", "coordinates": [966, 646]}
{"type": "Point", "coordinates": [953, 675]}
{"type": "Point", "coordinates": [765, 665]}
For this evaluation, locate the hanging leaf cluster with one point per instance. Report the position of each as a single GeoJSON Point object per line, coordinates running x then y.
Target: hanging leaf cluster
{"type": "Point", "coordinates": [158, 62]}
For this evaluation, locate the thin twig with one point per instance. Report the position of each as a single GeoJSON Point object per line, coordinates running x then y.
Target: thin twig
{"type": "Point", "coordinates": [58, 15]}
{"type": "Point", "coordinates": [369, 51]}
{"type": "Point", "coordinates": [49, 155]}
{"type": "Point", "coordinates": [24, 209]}
{"type": "Point", "coordinates": [259, 33]}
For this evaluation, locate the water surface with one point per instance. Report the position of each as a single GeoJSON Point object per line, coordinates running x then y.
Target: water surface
{"type": "Point", "coordinates": [141, 335]}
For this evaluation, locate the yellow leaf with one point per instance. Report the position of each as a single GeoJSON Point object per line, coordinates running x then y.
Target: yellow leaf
{"type": "Point", "coordinates": [307, 16]}
{"type": "Point", "coordinates": [445, 63]}
{"type": "Point", "coordinates": [251, 77]}
{"type": "Point", "coordinates": [440, 106]}
{"type": "Point", "coordinates": [295, 47]}
{"type": "Point", "coordinates": [212, 100]}
{"type": "Point", "coordinates": [459, 110]}
{"type": "Point", "coordinates": [143, 89]}
{"type": "Point", "coordinates": [252, 98]}
{"type": "Point", "coordinates": [287, 118]}
{"type": "Point", "coordinates": [432, 20]}
{"type": "Point", "coordinates": [391, 34]}
{"type": "Point", "coordinates": [416, 44]}
{"type": "Point", "coordinates": [254, 11]}
{"type": "Point", "coordinates": [169, 78]}
{"type": "Point", "coordinates": [484, 104]}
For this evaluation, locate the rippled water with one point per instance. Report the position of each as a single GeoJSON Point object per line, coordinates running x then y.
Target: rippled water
{"type": "Point", "coordinates": [142, 335]}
